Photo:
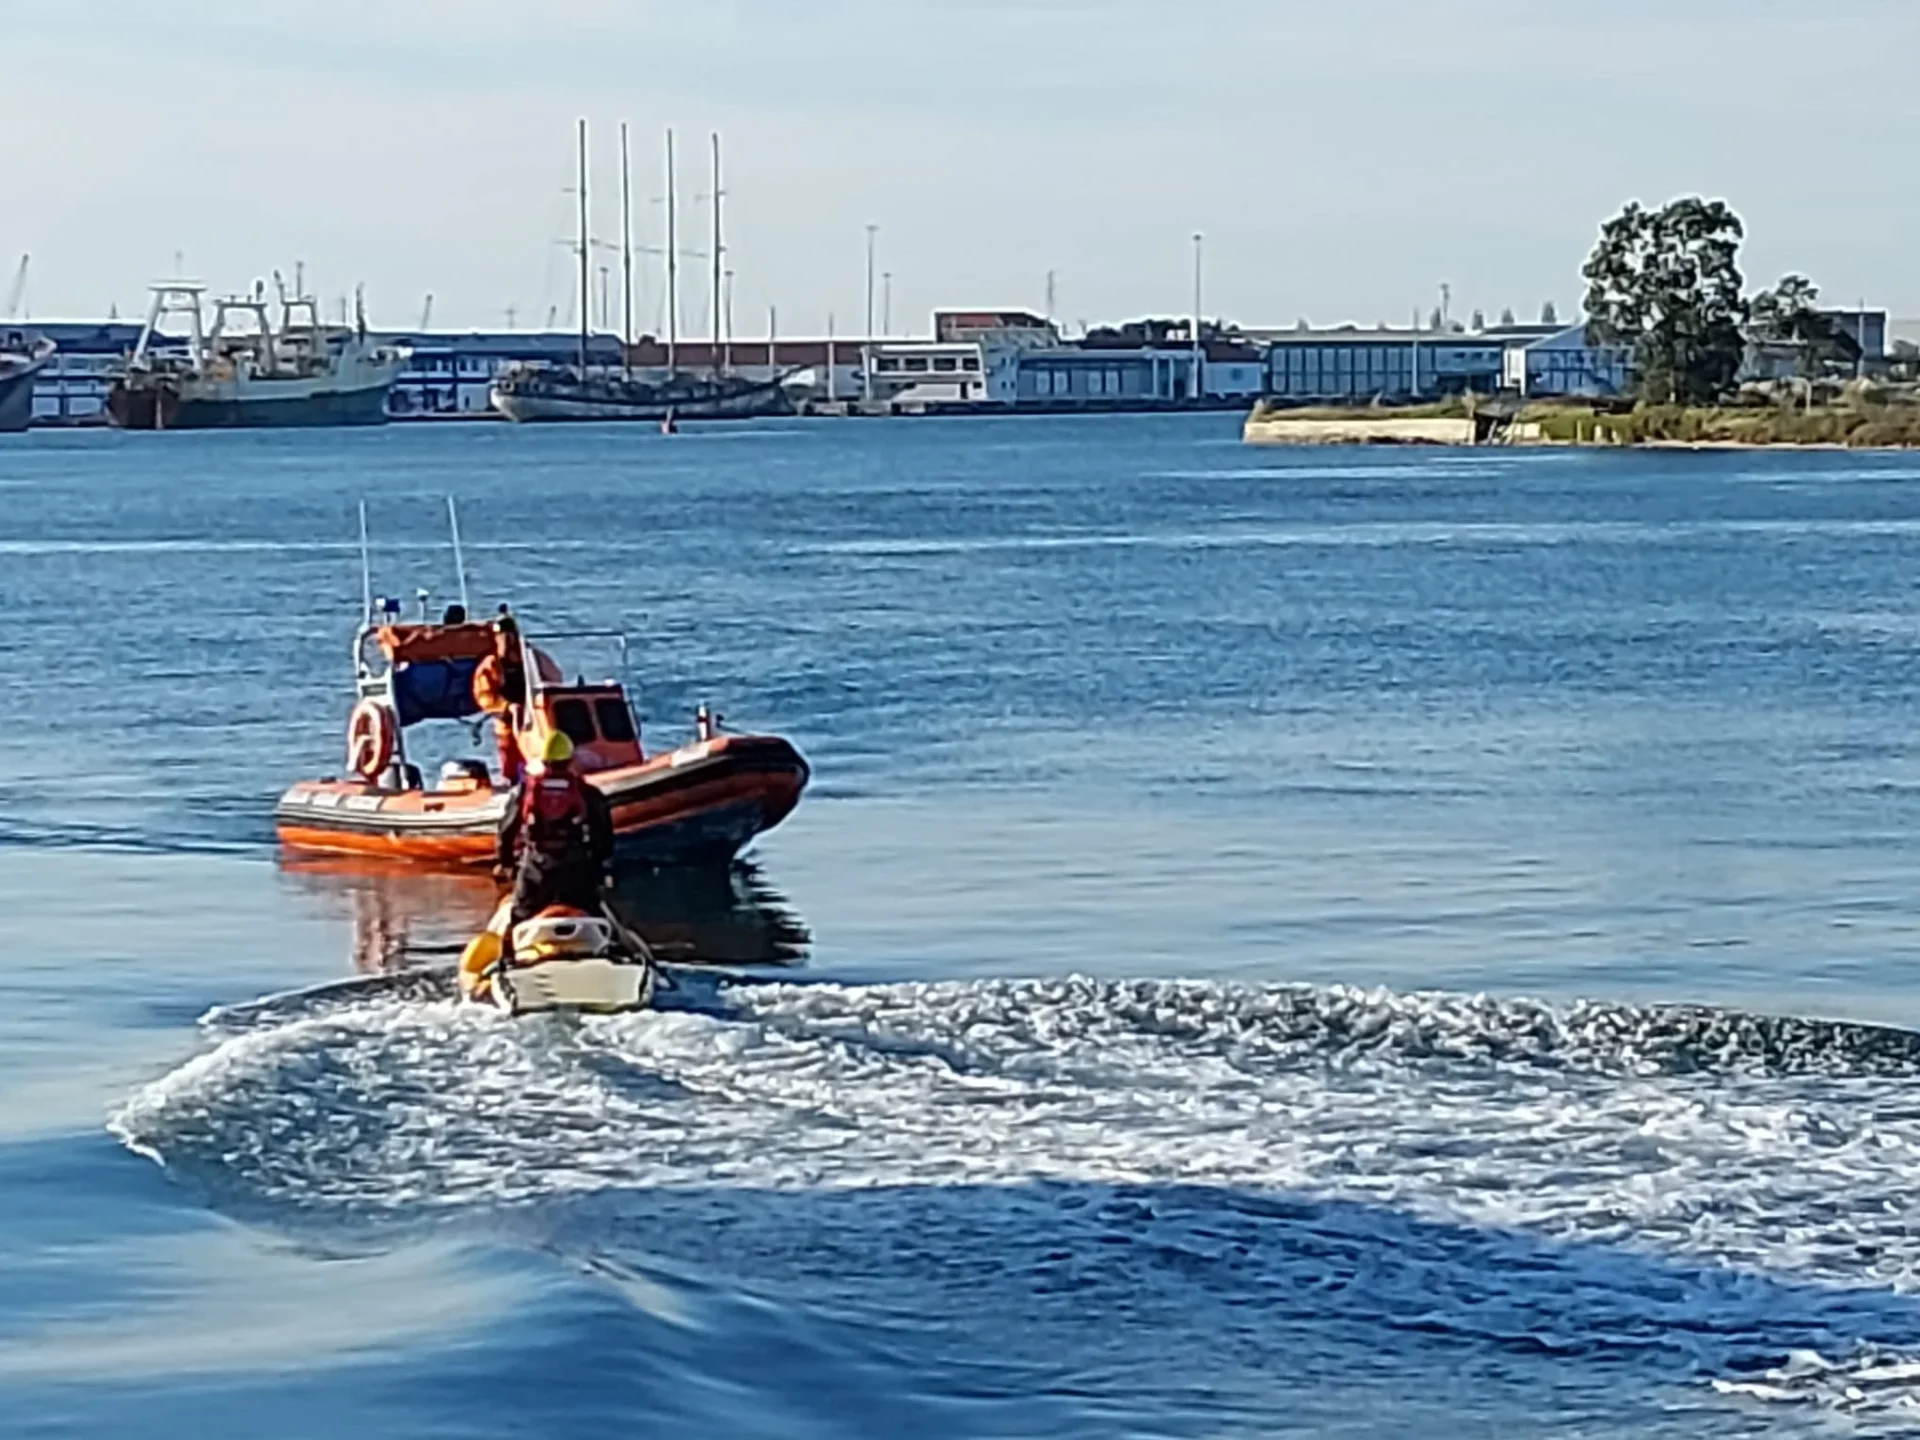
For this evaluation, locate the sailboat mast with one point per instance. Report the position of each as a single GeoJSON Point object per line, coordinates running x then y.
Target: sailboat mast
{"type": "Point", "coordinates": [715, 355]}
{"type": "Point", "coordinates": [673, 268]}
{"type": "Point", "coordinates": [584, 296]}
{"type": "Point", "coordinates": [626, 256]}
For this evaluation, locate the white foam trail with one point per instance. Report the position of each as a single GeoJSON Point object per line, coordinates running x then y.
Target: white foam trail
{"type": "Point", "coordinates": [1742, 1154]}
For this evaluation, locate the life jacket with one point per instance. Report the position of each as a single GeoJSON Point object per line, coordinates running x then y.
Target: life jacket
{"type": "Point", "coordinates": [553, 816]}
{"type": "Point", "coordinates": [498, 684]}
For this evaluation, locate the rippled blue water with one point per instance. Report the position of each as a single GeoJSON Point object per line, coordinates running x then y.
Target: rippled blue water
{"type": "Point", "coordinates": [1236, 882]}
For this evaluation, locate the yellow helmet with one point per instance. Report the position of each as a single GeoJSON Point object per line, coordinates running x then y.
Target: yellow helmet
{"type": "Point", "coordinates": [556, 749]}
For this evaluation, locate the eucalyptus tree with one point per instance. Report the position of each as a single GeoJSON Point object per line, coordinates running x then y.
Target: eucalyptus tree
{"type": "Point", "coordinates": [1665, 284]}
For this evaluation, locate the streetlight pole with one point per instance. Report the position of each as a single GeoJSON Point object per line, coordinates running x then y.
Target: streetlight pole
{"type": "Point", "coordinates": [719, 251]}
{"type": "Point", "coordinates": [673, 267]}
{"type": "Point", "coordinates": [866, 359]}
{"type": "Point", "coordinates": [886, 303]}
{"type": "Point", "coordinates": [1199, 244]}
{"type": "Point", "coordinates": [626, 256]}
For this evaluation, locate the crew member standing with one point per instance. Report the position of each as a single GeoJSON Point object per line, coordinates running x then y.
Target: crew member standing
{"type": "Point", "coordinates": [500, 689]}
{"type": "Point", "coordinates": [556, 837]}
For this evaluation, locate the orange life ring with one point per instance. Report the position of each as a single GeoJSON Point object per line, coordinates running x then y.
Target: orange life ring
{"type": "Point", "coordinates": [370, 739]}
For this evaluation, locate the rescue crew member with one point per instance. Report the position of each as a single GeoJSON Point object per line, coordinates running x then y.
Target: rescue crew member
{"type": "Point", "coordinates": [500, 689]}
{"type": "Point", "coordinates": [556, 838]}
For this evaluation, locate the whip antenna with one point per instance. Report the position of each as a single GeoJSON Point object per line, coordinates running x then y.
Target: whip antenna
{"type": "Point", "coordinates": [366, 567]}
{"type": "Point", "coordinates": [459, 559]}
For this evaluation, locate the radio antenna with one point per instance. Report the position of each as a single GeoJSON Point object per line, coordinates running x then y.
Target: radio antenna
{"type": "Point", "coordinates": [459, 559]}
{"type": "Point", "coordinates": [366, 567]}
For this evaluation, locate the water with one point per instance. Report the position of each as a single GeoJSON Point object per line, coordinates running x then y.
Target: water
{"type": "Point", "coordinates": [1324, 943]}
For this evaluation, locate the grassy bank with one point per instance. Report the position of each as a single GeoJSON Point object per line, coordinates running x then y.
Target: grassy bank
{"type": "Point", "coordinates": [1854, 425]}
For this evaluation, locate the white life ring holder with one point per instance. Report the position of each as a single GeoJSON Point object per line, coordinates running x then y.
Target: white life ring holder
{"type": "Point", "coordinates": [370, 739]}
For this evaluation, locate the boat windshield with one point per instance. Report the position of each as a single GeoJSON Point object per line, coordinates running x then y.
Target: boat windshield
{"type": "Point", "coordinates": [583, 657]}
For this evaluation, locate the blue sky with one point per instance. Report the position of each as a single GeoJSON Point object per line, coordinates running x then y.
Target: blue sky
{"type": "Point", "coordinates": [1343, 159]}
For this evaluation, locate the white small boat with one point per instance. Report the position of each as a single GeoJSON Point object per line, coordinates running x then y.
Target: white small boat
{"type": "Point", "coordinates": [563, 959]}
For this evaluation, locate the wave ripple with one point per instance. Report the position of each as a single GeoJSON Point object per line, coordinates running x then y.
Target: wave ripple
{"type": "Point", "coordinates": [1545, 1157]}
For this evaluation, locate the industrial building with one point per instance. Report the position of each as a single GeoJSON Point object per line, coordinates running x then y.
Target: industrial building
{"type": "Point", "coordinates": [1564, 365]}
{"type": "Point", "coordinates": [1350, 365]}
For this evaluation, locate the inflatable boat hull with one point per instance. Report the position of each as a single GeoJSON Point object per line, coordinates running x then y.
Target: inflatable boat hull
{"type": "Point", "coordinates": [698, 804]}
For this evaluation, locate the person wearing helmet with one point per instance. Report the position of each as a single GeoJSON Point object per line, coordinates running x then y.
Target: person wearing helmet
{"type": "Point", "coordinates": [556, 837]}
{"type": "Point", "coordinates": [500, 689]}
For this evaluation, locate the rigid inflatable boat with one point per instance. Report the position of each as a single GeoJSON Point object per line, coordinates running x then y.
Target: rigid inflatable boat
{"type": "Point", "coordinates": [699, 802]}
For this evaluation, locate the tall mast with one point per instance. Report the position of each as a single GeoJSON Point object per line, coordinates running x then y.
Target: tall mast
{"type": "Point", "coordinates": [585, 297]}
{"type": "Point", "coordinates": [673, 268]}
{"type": "Point", "coordinates": [715, 356]}
{"type": "Point", "coordinates": [626, 256]}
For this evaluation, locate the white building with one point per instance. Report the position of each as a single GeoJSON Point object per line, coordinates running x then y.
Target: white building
{"type": "Point", "coordinates": [907, 373]}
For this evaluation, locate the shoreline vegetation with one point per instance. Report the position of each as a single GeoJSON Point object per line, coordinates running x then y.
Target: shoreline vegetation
{"type": "Point", "coordinates": [1851, 423]}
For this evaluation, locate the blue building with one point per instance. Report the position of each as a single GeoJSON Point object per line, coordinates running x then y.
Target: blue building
{"type": "Point", "coordinates": [1354, 366]}
{"type": "Point", "coordinates": [1563, 365]}
{"type": "Point", "coordinates": [448, 375]}
{"type": "Point", "coordinates": [72, 390]}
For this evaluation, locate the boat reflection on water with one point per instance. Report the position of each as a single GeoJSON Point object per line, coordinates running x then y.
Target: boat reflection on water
{"type": "Point", "coordinates": [405, 917]}
{"type": "Point", "coordinates": [712, 915]}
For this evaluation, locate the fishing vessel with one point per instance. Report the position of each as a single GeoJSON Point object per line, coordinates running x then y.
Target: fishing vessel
{"type": "Point", "coordinates": [542, 391]}
{"type": "Point", "coordinates": [700, 801]}
{"type": "Point", "coordinates": [23, 355]}
{"type": "Point", "coordinates": [248, 368]}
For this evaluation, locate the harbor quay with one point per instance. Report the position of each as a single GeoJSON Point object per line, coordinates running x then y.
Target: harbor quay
{"type": "Point", "coordinates": [972, 362]}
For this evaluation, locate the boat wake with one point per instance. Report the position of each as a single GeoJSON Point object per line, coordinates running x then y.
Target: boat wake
{"type": "Point", "coordinates": [1722, 1197]}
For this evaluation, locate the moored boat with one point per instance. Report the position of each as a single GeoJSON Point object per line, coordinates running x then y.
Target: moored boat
{"type": "Point", "coordinates": [547, 392]}
{"type": "Point", "coordinates": [23, 355]}
{"type": "Point", "coordinates": [245, 370]}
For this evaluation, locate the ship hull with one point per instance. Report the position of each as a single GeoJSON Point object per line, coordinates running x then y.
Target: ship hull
{"type": "Point", "coordinates": [18, 371]}
{"type": "Point", "coordinates": [161, 408]}
{"type": "Point", "coordinates": [698, 804]}
{"type": "Point", "coordinates": [553, 402]}
{"type": "Point", "coordinates": [16, 400]}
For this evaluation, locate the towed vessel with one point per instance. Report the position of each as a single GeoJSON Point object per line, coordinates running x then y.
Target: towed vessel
{"type": "Point", "coordinates": [23, 355]}
{"type": "Point", "coordinates": [561, 959]}
{"type": "Point", "coordinates": [700, 801]}
{"type": "Point", "coordinates": [248, 368]}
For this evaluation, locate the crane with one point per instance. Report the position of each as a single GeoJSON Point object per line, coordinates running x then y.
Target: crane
{"type": "Point", "coordinates": [17, 292]}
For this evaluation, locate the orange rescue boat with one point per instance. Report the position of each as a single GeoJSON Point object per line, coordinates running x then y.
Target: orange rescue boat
{"type": "Point", "coordinates": [698, 803]}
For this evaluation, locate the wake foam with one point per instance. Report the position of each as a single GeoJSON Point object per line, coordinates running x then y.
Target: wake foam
{"type": "Point", "coordinates": [1731, 1188]}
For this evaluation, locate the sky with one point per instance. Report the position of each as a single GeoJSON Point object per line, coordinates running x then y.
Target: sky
{"type": "Point", "coordinates": [1343, 160]}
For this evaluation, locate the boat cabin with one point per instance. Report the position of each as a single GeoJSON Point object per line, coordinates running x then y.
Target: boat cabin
{"type": "Point", "coordinates": [411, 672]}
